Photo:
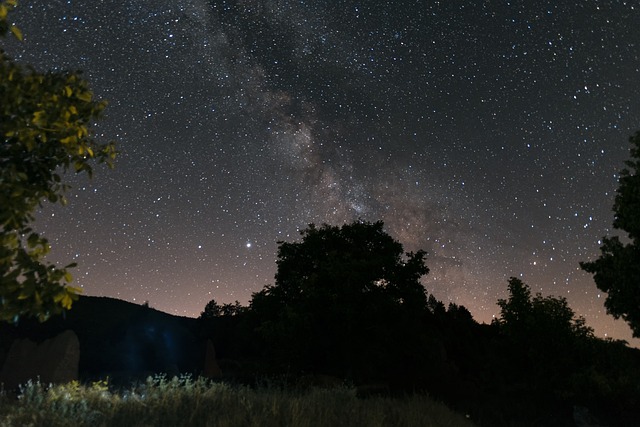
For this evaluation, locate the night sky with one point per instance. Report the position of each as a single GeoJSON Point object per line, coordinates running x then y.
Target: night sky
{"type": "Point", "coordinates": [489, 133]}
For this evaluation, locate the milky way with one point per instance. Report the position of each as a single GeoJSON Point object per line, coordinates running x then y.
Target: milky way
{"type": "Point", "coordinates": [489, 133]}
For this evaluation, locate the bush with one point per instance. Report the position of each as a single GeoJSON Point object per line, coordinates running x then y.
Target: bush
{"type": "Point", "coordinates": [181, 401]}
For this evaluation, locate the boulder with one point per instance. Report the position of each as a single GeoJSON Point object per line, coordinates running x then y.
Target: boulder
{"type": "Point", "coordinates": [53, 361]}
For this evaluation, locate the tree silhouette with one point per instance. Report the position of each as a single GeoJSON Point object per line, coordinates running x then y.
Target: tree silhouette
{"type": "Point", "coordinates": [544, 335]}
{"type": "Point", "coordinates": [213, 309]}
{"type": "Point", "coordinates": [524, 317]}
{"type": "Point", "coordinates": [344, 298]}
{"type": "Point", "coordinates": [617, 270]}
{"type": "Point", "coordinates": [45, 123]}
{"type": "Point", "coordinates": [516, 312]}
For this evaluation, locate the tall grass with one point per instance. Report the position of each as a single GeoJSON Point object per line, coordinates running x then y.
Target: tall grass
{"type": "Point", "coordinates": [181, 401]}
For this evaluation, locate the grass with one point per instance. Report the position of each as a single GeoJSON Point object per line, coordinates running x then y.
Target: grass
{"type": "Point", "coordinates": [181, 401]}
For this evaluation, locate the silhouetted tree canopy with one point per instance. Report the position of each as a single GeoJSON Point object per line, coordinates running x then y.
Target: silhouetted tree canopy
{"type": "Point", "coordinates": [525, 317]}
{"type": "Point", "coordinates": [349, 261]}
{"type": "Point", "coordinates": [45, 123]}
{"type": "Point", "coordinates": [459, 313]}
{"type": "Point", "coordinates": [544, 337]}
{"type": "Point", "coordinates": [343, 297]}
{"type": "Point", "coordinates": [213, 309]}
{"type": "Point", "coordinates": [617, 270]}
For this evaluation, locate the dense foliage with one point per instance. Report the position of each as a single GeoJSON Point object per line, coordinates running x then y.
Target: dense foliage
{"type": "Point", "coordinates": [544, 334]}
{"type": "Point", "coordinates": [45, 131]}
{"type": "Point", "coordinates": [336, 309]}
{"type": "Point", "coordinates": [213, 310]}
{"type": "Point", "coordinates": [522, 316]}
{"type": "Point", "coordinates": [346, 301]}
{"type": "Point", "coordinates": [617, 270]}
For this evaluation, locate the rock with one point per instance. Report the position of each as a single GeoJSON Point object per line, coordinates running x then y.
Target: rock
{"type": "Point", "coordinates": [211, 367]}
{"type": "Point", "coordinates": [53, 361]}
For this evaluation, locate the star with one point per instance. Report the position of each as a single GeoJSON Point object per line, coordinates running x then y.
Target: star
{"type": "Point", "coordinates": [475, 131]}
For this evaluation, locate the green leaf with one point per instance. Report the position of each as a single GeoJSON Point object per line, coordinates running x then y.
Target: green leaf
{"type": "Point", "coordinates": [33, 240]}
{"type": "Point", "coordinates": [46, 122]}
{"type": "Point", "coordinates": [16, 32]}
{"type": "Point", "coordinates": [84, 96]}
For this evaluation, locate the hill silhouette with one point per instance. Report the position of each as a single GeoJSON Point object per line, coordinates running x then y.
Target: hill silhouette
{"type": "Point", "coordinates": [473, 368]}
{"type": "Point", "coordinates": [119, 339]}
{"type": "Point", "coordinates": [347, 304]}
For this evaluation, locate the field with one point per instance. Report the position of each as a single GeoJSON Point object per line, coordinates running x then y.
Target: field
{"type": "Point", "coordinates": [161, 401]}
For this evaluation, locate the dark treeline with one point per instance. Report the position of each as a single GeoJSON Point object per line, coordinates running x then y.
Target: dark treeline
{"type": "Point", "coordinates": [347, 303]}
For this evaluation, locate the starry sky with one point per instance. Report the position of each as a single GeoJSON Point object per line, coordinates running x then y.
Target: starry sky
{"type": "Point", "coordinates": [489, 133]}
